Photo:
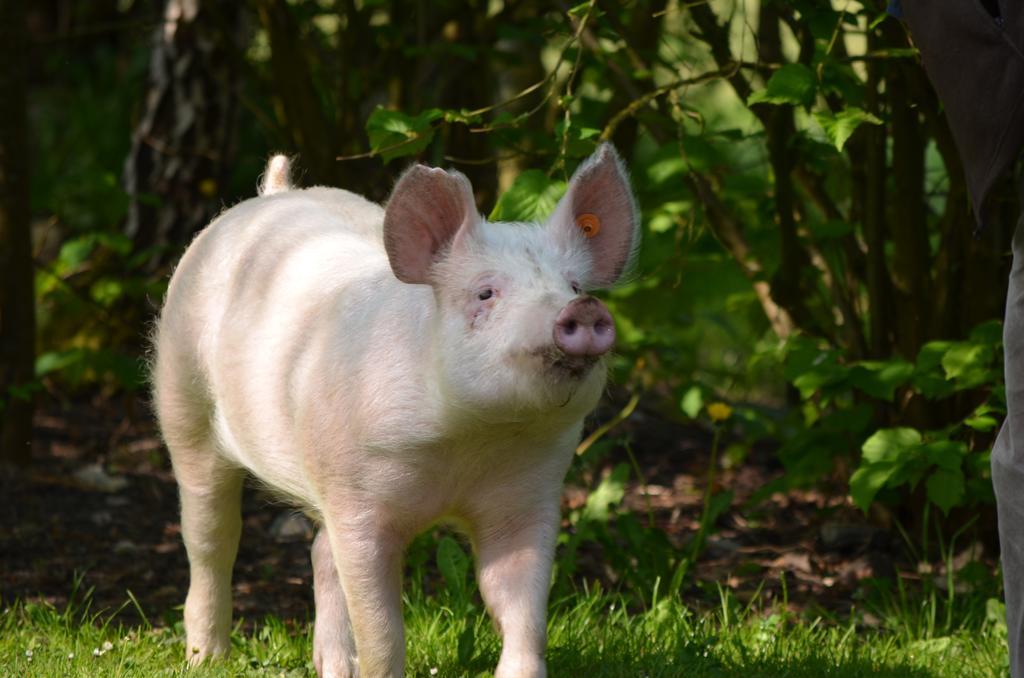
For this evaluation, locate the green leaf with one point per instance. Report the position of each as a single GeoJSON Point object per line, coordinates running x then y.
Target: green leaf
{"type": "Point", "coordinates": [811, 368]}
{"type": "Point", "coordinates": [821, 21]}
{"type": "Point", "coordinates": [719, 504]}
{"type": "Point", "coordinates": [961, 359]}
{"type": "Point", "coordinates": [531, 197]}
{"type": "Point", "coordinates": [816, 379]}
{"type": "Point", "coordinates": [932, 646]}
{"type": "Point", "coordinates": [74, 252]}
{"type": "Point", "coordinates": [890, 445]}
{"type": "Point", "coordinates": [890, 455]}
{"type": "Point", "coordinates": [582, 8]}
{"type": "Point", "coordinates": [464, 116]}
{"type": "Point", "coordinates": [866, 481]}
{"type": "Point", "coordinates": [946, 454]}
{"type": "Point", "coordinates": [880, 379]}
{"type": "Point", "coordinates": [909, 472]}
{"type": "Point", "coordinates": [968, 363]}
{"type": "Point", "coordinates": [78, 364]}
{"type": "Point", "coordinates": [609, 493]}
{"type": "Point", "coordinates": [982, 422]}
{"type": "Point", "coordinates": [995, 613]}
{"type": "Point", "coordinates": [22, 392]}
{"type": "Point", "coordinates": [580, 133]}
{"type": "Point", "coordinates": [453, 563]}
{"type": "Point", "coordinates": [665, 170]}
{"type": "Point", "coordinates": [467, 643]}
{"type": "Point", "coordinates": [116, 242]}
{"type": "Point", "coordinates": [394, 134]}
{"type": "Point", "coordinates": [989, 332]}
{"type": "Point", "coordinates": [931, 354]}
{"type": "Point", "coordinates": [879, 18]}
{"type": "Point", "coordinates": [106, 291]}
{"type": "Point", "coordinates": [929, 377]}
{"type": "Point", "coordinates": [792, 84]}
{"type": "Point", "coordinates": [692, 402]}
{"type": "Point", "coordinates": [54, 361]}
{"type": "Point", "coordinates": [579, 141]}
{"type": "Point", "coordinates": [702, 153]}
{"type": "Point", "coordinates": [946, 488]}
{"type": "Point", "coordinates": [841, 126]}
{"type": "Point", "coordinates": [809, 454]}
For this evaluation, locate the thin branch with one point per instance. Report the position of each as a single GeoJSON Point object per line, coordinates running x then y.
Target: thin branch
{"type": "Point", "coordinates": [726, 230]}
{"type": "Point", "coordinates": [637, 104]}
{"type": "Point", "coordinates": [549, 78]}
{"type": "Point", "coordinates": [716, 37]}
{"type": "Point", "coordinates": [381, 151]}
{"type": "Point", "coordinates": [485, 161]}
{"type": "Point", "coordinates": [581, 28]}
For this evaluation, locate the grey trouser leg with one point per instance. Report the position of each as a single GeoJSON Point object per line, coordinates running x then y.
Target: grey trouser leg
{"type": "Point", "coordinates": [1008, 460]}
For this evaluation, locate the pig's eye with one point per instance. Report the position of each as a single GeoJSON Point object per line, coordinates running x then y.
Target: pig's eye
{"type": "Point", "coordinates": [576, 289]}
{"type": "Point", "coordinates": [485, 294]}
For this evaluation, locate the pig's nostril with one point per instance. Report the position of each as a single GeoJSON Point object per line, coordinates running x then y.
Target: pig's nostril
{"type": "Point", "coordinates": [570, 327]}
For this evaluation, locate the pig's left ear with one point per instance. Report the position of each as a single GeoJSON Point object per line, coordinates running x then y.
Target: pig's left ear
{"type": "Point", "coordinates": [598, 210]}
{"type": "Point", "coordinates": [427, 210]}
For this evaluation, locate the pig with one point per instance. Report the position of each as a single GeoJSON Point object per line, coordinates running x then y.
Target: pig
{"type": "Point", "coordinates": [386, 370]}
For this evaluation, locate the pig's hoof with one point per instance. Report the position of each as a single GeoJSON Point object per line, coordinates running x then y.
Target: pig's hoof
{"type": "Point", "coordinates": [521, 667]}
{"type": "Point", "coordinates": [335, 665]}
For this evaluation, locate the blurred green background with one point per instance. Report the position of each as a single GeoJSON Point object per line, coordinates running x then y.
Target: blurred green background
{"type": "Point", "coordinates": [808, 256]}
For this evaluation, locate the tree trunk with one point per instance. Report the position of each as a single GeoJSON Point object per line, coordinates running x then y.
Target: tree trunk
{"type": "Point", "coordinates": [296, 101]}
{"type": "Point", "coordinates": [780, 130]}
{"type": "Point", "coordinates": [17, 300]}
{"type": "Point", "coordinates": [470, 86]}
{"type": "Point", "coordinates": [874, 173]}
{"type": "Point", "coordinates": [182, 146]}
{"type": "Point", "coordinates": [910, 258]}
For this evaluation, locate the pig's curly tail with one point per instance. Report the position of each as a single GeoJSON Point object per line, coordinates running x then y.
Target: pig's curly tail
{"type": "Point", "coordinates": [277, 176]}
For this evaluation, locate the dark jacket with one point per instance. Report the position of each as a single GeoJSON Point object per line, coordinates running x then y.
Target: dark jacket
{"type": "Point", "coordinates": [973, 51]}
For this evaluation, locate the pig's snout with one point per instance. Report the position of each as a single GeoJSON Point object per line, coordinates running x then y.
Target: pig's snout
{"type": "Point", "coordinates": [584, 328]}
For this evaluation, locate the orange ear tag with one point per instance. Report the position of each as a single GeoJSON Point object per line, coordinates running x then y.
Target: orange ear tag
{"type": "Point", "coordinates": [589, 224]}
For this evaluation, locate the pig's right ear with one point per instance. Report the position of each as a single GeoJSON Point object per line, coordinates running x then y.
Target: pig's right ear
{"type": "Point", "coordinates": [425, 212]}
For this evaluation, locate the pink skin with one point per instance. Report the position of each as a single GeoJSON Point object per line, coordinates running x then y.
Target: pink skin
{"type": "Point", "coordinates": [584, 328]}
{"type": "Point", "coordinates": [389, 369]}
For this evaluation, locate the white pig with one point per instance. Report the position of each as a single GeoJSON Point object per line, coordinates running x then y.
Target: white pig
{"type": "Point", "coordinates": [386, 370]}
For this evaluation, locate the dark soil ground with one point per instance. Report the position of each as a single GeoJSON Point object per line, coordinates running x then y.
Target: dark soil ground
{"type": "Point", "coordinates": [118, 531]}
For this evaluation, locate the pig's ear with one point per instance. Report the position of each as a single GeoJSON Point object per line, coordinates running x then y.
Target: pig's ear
{"type": "Point", "coordinates": [424, 213]}
{"type": "Point", "coordinates": [598, 209]}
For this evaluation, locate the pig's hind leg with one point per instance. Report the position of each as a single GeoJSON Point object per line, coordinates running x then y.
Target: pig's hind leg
{"type": "Point", "coordinates": [333, 646]}
{"type": "Point", "coordinates": [211, 523]}
{"type": "Point", "coordinates": [210, 489]}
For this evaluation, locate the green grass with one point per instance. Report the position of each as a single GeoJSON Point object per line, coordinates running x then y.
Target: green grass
{"type": "Point", "coordinates": [591, 634]}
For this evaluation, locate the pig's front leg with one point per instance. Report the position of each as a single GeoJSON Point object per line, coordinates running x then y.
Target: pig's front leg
{"type": "Point", "coordinates": [368, 554]}
{"type": "Point", "coordinates": [515, 549]}
{"type": "Point", "coordinates": [334, 654]}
